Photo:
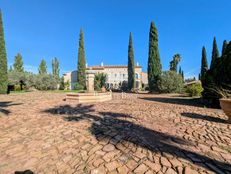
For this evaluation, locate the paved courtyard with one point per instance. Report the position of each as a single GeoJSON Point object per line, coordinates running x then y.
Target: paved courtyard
{"type": "Point", "coordinates": [137, 134]}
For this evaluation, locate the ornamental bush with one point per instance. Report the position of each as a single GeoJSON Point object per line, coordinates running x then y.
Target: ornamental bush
{"type": "Point", "coordinates": [194, 90]}
{"type": "Point", "coordinates": [170, 82]}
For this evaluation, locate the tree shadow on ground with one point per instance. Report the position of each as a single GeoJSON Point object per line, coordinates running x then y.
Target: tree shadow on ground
{"type": "Point", "coordinates": [180, 101]}
{"type": "Point", "coordinates": [204, 117]}
{"type": "Point", "coordinates": [116, 128]}
{"type": "Point", "coordinates": [4, 105]}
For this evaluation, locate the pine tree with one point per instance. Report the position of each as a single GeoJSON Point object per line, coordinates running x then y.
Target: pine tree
{"type": "Point", "coordinates": [154, 64]}
{"type": "Point", "coordinates": [215, 53]}
{"type": "Point", "coordinates": [18, 63]}
{"type": "Point", "coordinates": [204, 65]}
{"type": "Point", "coordinates": [81, 74]}
{"type": "Point", "coordinates": [131, 67]}
{"type": "Point", "coordinates": [42, 67]}
{"type": "Point", "coordinates": [55, 68]}
{"type": "Point", "coordinates": [3, 60]}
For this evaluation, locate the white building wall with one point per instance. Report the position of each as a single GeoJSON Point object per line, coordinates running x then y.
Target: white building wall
{"type": "Point", "coordinates": [115, 76]}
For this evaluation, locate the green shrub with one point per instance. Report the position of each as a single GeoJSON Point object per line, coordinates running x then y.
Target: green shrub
{"type": "Point", "coordinates": [194, 90]}
{"type": "Point", "coordinates": [17, 88]}
{"type": "Point", "coordinates": [67, 85]}
{"type": "Point", "coordinates": [170, 82]}
{"type": "Point", "coordinates": [78, 86]}
{"type": "Point", "coordinates": [45, 82]}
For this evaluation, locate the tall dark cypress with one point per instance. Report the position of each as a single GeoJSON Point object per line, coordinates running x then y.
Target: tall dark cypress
{"type": "Point", "coordinates": [180, 70]}
{"type": "Point", "coordinates": [131, 66]}
{"type": "Point", "coordinates": [182, 74]}
{"type": "Point", "coordinates": [204, 65]}
{"type": "Point", "coordinates": [3, 60]}
{"type": "Point", "coordinates": [215, 53]}
{"type": "Point", "coordinates": [81, 74]}
{"type": "Point", "coordinates": [154, 64]}
{"type": "Point", "coordinates": [225, 43]}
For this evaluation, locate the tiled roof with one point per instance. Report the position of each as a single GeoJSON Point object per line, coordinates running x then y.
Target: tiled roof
{"type": "Point", "coordinates": [109, 66]}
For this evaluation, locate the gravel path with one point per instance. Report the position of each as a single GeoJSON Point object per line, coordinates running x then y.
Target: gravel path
{"type": "Point", "coordinates": [135, 134]}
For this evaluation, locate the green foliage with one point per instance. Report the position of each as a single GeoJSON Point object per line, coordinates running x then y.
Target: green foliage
{"type": "Point", "coordinates": [170, 82]}
{"type": "Point", "coordinates": [215, 53]}
{"type": "Point", "coordinates": [16, 78]}
{"type": "Point", "coordinates": [225, 44]}
{"type": "Point", "coordinates": [182, 74]}
{"type": "Point", "coordinates": [62, 84]}
{"type": "Point", "coordinates": [79, 87]}
{"type": "Point", "coordinates": [3, 60]}
{"type": "Point", "coordinates": [175, 62]}
{"type": "Point", "coordinates": [45, 82]}
{"type": "Point", "coordinates": [55, 68]}
{"type": "Point", "coordinates": [124, 86]}
{"type": "Point", "coordinates": [154, 64]}
{"type": "Point", "coordinates": [131, 66]}
{"type": "Point", "coordinates": [194, 90]}
{"type": "Point", "coordinates": [81, 75]}
{"type": "Point", "coordinates": [18, 63]}
{"type": "Point", "coordinates": [100, 81]}
{"type": "Point", "coordinates": [180, 71]}
{"type": "Point", "coordinates": [218, 76]}
{"type": "Point", "coordinates": [42, 67]}
{"type": "Point", "coordinates": [67, 85]}
{"type": "Point", "coordinates": [204, 66]}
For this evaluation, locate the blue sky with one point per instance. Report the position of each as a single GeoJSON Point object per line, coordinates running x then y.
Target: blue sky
{"type": "Point", "coordinates": [46, 29]}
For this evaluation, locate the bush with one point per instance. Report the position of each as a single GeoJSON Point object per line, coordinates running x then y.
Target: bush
{"type": "Point", "coordinates": [124, 86]}
{"type": "Point", "coordinates": [78, 87]}
{"type": "Point", "coordinates": [194, 90]}
{"type": "Point", "coordinates": [62, 84]}
{"type": "Point", "coordinates": [170, 82]}
{"type": "Point", "coordinates": [45, 82]}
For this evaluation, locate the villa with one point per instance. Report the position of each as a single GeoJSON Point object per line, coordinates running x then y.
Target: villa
{"type": "Point", "coordinates": [116, 75]}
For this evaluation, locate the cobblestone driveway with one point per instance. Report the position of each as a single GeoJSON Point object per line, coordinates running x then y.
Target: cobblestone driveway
{"type": "Point", "coordinates": [148, 134]}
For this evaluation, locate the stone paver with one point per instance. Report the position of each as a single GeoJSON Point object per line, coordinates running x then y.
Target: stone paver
{"type": "Point", "coordinates": [149, 134]}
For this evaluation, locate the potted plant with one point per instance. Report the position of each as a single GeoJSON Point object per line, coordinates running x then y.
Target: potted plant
{"type": "Point", "coordinates": [225, 100]}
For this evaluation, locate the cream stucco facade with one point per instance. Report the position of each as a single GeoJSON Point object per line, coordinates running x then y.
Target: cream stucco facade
{"type": "Point", "coordinates": [116, 75]}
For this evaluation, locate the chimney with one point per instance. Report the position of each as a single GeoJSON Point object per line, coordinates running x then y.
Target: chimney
{"type": "Point", "coordinates": [137, 64]}
{"type": "Point", "coordinates": [101, 63]}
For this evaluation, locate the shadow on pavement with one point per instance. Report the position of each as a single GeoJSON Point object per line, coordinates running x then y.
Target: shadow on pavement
{"type": "Point", "coordinates": [117, 128]}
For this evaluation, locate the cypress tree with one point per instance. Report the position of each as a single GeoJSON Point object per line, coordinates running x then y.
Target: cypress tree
{"type": "Point", "coordinates": [225, 43]}
{"type": "Point", "coordinates": [215, 53]}
{"type": "Point", "coordinates": [3, 60]}
{"type": "Point", "coordinates": [55, 68]}
{"type": "Point", "coordinates": [180, 70]}
{"type": "Point", "coordinates": [81, 74]}
{"type": "Point", "coordinates": [131, 67]}
{"type": "Point", "coordinates": [182, 74]}
{"type": "Point", "coordinates": [154, 64]}
{"type": "Point", "coordinates": [42, 67]}
{"type": "Point", "coordinates": [204, 65]}
{"type": "Point", "coordinates": [18, 63]}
